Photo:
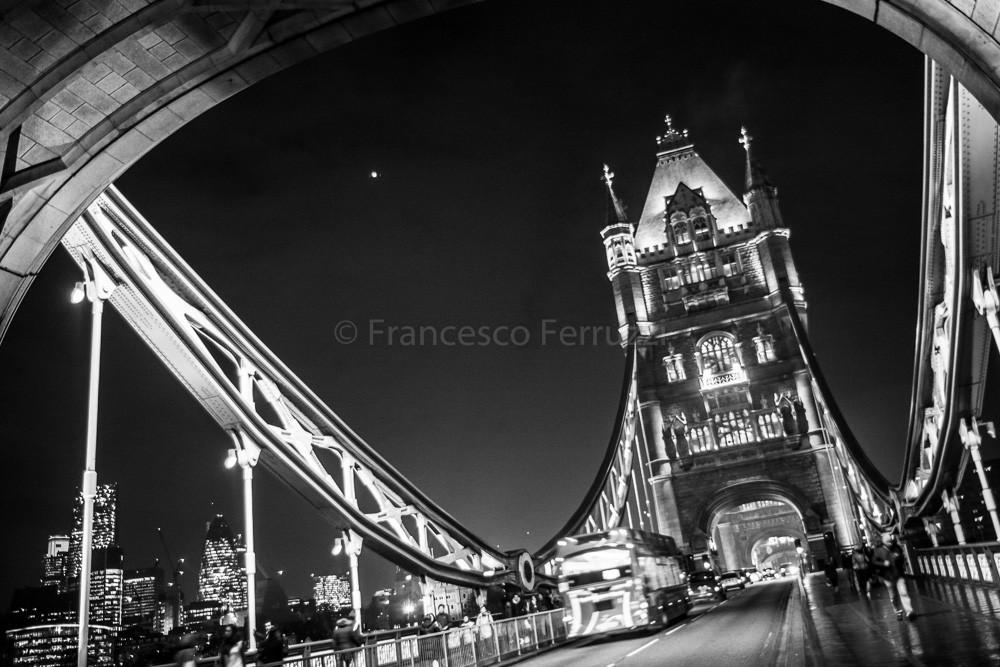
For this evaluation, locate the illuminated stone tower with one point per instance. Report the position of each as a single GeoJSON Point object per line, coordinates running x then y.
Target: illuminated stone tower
{"type": "Point", "coordinates": [705, 284]}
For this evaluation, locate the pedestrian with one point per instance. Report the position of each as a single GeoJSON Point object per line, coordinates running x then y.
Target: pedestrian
{"type": "Point", "coordinates": [888, 560]}
{"type": "Point", "coordinates": [860, 564]}
{"type": "Point", "coordinates": [442, 619]}
{"type": "Point", "coordinates": [830, 570]}
{"type": "Point", "coordinates": [231, 646]}
{"type": "Point", "coordinates": [272, 649]}
{"type": "Point", "coordinates": [347, 640]}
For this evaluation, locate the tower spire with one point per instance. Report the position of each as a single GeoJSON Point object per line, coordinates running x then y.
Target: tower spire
{"type": "Point", "coordinates": [616, 211]}
{"type": "Point", "coordinates": [755, 176]}
{"type": "Point", "coordinates": [760, 196]}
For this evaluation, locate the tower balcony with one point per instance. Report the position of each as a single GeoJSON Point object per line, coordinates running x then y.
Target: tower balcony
{"type": "Point", "coordinates": [716, 380]}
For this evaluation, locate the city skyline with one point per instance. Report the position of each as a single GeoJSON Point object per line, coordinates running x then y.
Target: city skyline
{"type": "Point", "coordinates": [519, 184]}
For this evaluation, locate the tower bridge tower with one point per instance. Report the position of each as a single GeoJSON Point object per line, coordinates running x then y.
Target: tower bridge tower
{"type": "Point", "coordinates": [705, 284]}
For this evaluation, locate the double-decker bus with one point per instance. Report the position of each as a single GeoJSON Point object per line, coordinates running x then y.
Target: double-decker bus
{"type": "Point", "coordinates": [621, 579]}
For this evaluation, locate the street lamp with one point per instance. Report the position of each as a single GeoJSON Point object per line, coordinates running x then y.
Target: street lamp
{"type": "Point", "coordinates": [246, 454]}
{"type": "Point", "coordinates": [97, 286]}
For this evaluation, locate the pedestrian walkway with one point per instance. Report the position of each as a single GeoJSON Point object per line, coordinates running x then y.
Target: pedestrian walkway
{"type": "Point", "coordinates": [955, 625]}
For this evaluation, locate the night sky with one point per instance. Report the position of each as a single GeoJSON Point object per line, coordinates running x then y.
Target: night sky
{"type": "Point", "coordinates": [488, 127]}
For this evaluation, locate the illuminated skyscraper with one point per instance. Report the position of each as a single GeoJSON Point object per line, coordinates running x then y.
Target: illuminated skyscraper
{"type": "Point", "coordinates": [107, 584]}
{"type": "Point", "coordinates": [105, 524]}
{"type": "Point", "coordinates": [144, 599]}
{"type": "Point", "coordinates": [332, 590]}
{"type": "Point", "coordinates": [54, 563]}
{"type": "Point", "coordinates": [222, 578]}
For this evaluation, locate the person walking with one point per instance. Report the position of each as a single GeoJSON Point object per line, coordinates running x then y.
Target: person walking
{"type": "Point", "coordinates": [860, 565]}
{"type": "Point", "coordinates": [231, 646]}
{"type": "Point", "coordinates": [888, 560]}
{"type": "Point", "coordinates": [347, 640]}
{"type": "Point", "coordinates": [830, 570]}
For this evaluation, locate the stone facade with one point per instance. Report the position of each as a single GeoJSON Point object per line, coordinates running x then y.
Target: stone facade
{"type": "Point", "coordinates": [729, 415]}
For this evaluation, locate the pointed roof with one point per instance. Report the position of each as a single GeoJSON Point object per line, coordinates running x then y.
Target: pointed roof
{"type": "Point", "coordinates": [219, 530]}
{"type": "Point", "coordinates": [755, 176]}
{"type": "Point", "coordinates": [677, 163]}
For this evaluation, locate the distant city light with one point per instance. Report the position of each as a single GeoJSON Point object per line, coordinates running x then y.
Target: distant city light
{"type": "Point", "coordinates": [374, 174]}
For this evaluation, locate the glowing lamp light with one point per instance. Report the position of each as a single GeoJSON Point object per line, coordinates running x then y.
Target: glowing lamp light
{"type": "Point", "coordinates": [338, 546]}
{"type": "Point", "coordinates": [78, 293]}
{"type": "Point", "coordinates": [231, 459]}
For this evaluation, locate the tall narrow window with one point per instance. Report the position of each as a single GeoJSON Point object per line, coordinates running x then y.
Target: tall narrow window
{"type": "Point", "coordinates": [702, 232]}
{"type": "Point", "coordinates": [674, 365]}
{"type": "Point", "coordinates": [718, 354]}
{"type": "Point", "coordinates": [682, 234]}
{"type": "Point", "coordinates": [769, 425]}
{"type": "Point", "coordinates": [764, 346]}
{"type": "Point", "coordinates": [671, 277]}
{"type": "Point", "coordinates": [699, 439]}
{"type": "Point", "coordinates": [730, 263]}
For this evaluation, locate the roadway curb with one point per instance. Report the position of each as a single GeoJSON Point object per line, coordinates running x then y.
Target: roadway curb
{"type": "Point", "coordinates": [804, 645]}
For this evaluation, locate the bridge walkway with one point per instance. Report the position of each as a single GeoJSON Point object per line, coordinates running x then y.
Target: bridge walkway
{"type": "Point", "coordinates": [955, 625]}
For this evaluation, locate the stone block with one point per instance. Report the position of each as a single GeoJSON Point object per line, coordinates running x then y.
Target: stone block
{"type": "Point", "coordinates": [117, 61]}
{"type": "Point", "coordinates": [95, 71]}
{"type": "Point", "coordinates": [8, 35]}
{"type": "Point", "coordinates": [38, 154]}
{"type": "Point", "coordinates": [82, 10]}
{"type": "Point", "coordinates": [17, 68]}
{"type": "Point", "coordinates": [125, 92]}
{"type": "Point", "coordinates": [57, 44]}
{"type": "Point", "coordinates": [964, 6]}
{"type": "Point", "coordinates": [328, 37]}
{"type": "Point", "coordinates": [130, 146]}
{"type": "Point", "coordinates": [111, 82]}
{"type": "Point", "coordinates": [63, 119]}
{"type": "Point", "coordinates": [44, 132]}
{"type": "Point", "coordinates": [189, 49]}
{"type": "Point", "coordinates": [43, 61]}
{"type": "Point", "coordinates": [149, 40]}
{"type": "Point", "coordinates": [48, 110]}
{"type": "Point", "coordinates": [31, 25]}
{"type": "Point", "coordinates": [170, 33]}
{"type": "Point", "coordinates": [175, 62]}
{"type": "Point", "coordinates": [138, 78]}
{"type": "Point", "coordinates": [94, 95]}
{"type": "Point", "coordinates": [78, 129]}
{"type": "Point", "coordinates": [987, 15]}
{"type": "Point", "coordinates": [161, 51]}
{"type": "Point", "coordinates": [140, 56]}
{"type": "Point", "coordinates": [25, 49]}
{"type": "Point", "coordinates": [403, 11]}
{"type": "Point", "coordinates": [89, 114]}
{"type": "Point", "coordinates": [67, 99]}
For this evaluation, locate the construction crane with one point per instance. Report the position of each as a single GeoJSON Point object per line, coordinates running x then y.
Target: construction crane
{"type": "Point", "coordinates": [175, 596]}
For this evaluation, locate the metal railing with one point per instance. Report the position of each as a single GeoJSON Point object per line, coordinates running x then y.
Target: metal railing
{"type": "Point", "coordinates": [470, 646]}
{"type": "Point", "coordinates": [970, 563]}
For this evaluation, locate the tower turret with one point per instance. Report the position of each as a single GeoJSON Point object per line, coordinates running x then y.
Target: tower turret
{"type": "Point", "coordinates": [623, 270]}
{"type": "Point", "coordinates": [760, 196]}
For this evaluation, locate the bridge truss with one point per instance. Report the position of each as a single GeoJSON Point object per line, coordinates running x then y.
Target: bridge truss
{"type": "Point", "coordinates": [271, 415]}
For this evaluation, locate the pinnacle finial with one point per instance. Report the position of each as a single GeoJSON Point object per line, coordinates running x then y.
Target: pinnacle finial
{"type": "Point", "coordinates": [609, 175]}
{"type": "Point", "coordinates": [673, 136]}
{"type": "Point", "coordinates": [745, 138]}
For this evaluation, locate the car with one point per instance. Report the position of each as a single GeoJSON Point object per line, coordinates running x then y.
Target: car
{"type": "Point", "coordinates": [754, 576]}
{"type": "Point", "coordinates": [705, 586]}
{"type": "Point", "coordinates": [732, 580]}
{"type": "Point", "coordinates": [787, 569]}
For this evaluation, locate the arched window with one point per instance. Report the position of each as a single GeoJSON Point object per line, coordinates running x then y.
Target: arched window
{"type": "Point", "coordinates": [718, 354]}
{"type": "Point", "coordinates": [702, 232]}
{"type": "Point", "coordinates": [682, 233]}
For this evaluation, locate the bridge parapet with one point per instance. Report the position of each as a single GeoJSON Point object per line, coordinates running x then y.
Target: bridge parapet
{"type": "Point", "coordinates": [966, 563]}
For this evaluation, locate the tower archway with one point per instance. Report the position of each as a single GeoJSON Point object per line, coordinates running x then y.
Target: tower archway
{"type": "Point", "coordinates": [735, 522]}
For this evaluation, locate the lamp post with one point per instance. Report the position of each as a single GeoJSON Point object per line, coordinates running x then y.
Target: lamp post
{"type": "Point", "coordinates": [97, 287]}
{"type": "Point", "coordinates": [246, 454]}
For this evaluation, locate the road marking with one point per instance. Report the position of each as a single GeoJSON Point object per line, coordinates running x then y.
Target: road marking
{"type": "Point", "coordinates": [670, 632]}
{"type": "Point", "coordinates": [643, 647]}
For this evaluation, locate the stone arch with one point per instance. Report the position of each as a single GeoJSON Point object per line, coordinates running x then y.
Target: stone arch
{"type": "Point", "coordinates": [753, 490]}
{"type": "Point", "coordinates": [768, 533]}
{"type": "Point", "coordinates": [121, 77]}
